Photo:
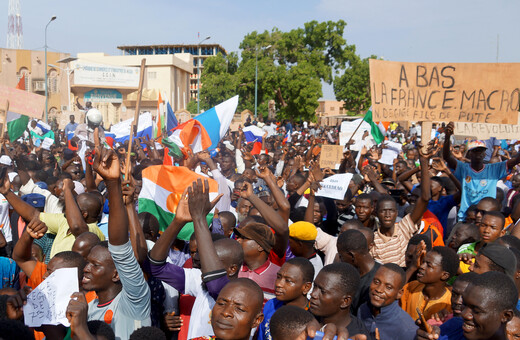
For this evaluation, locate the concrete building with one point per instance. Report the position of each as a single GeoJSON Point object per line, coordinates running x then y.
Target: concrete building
{"type": "Point", "coordinates": [111, 82]}
{"type": "Point", "coordinates": [330, 112]}
{"type": "Point", "coordinates": [17, 63]}
{"type": "Point", "coordinates": [199, 53]}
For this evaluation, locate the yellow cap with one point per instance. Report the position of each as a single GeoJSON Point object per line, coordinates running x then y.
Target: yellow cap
{"type": "Point", "coordinates": [303, 231]}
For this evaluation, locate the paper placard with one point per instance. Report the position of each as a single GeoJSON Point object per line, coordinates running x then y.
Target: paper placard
{"type": "Point", "coordinates": [398, 147]}
{"type": "Point", "coordinates": [388, 156]}
{"type": "Point", "coordinates": [433, 92]}
{"type": "Point", "coordinates": [47, 142]}
{"type": "Point", "coordinates": [47, 303]}
{"type": "Point", "coordinates": [23, 102]}
{"type": "Point", "coordinates": [335, 186]}
{"type": "Point", "coordinates": [330, 156]}
{"type": "Point", "coordinates": [486, 131]}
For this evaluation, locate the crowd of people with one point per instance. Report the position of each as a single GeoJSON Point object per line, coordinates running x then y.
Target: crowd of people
{"type": "Point", "coordinates": [425, 248]}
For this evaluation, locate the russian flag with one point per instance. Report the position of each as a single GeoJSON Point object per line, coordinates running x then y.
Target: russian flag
{"type": "Point", "coordinates": [207, 129]}
{"type": "Point", "coordinates": [43, 126]}
{"type": "Point", "coordinates": [120, 132]}
{"type": "Point", "coordinates": [254, 134]}
{"type": "Point", "coordinates": [287, 138]}
{"type": "Point", "coordinates": [171, 120]}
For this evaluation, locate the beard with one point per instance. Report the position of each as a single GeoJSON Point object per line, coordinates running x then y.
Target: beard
{"type": "Point", "coordinates": [241, 217]}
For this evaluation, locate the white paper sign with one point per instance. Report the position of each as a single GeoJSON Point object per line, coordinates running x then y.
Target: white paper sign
{"type": "Point", "coordinates": [47, 142]}
{"type": "Point", "coordinates": [335, 186]}
{"type": "Point", "coordinates": [388, 156]}
{"type": "Point", "coordinates": [47, 303]}
{"type": "Point", "coordinates": [394, 146]}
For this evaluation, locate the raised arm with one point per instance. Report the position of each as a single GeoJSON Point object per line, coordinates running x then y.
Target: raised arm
{"type": "Point", "coordinates": [272, 218]}
{"type": "Point", "coordinates": [106, 164]}
{"type": "Point", "coordinates": [446, 154]}
{"type": "Point", "coordinates": [73, 214]}
{"type": "Point", "coordinates": [26, 211]}
{"type": "Point", "coordinates": [22, 254]}
{"type": "Point", "coordinates": [137, 238]}
{"type": "Point", "coordinates": [89, 178]}
{"type": "Point", "coordinates": [422, 202]}
{"type": "Point", "coordinates": [199, 207]}
{"type": "Point", "coordinates": [284, 207]}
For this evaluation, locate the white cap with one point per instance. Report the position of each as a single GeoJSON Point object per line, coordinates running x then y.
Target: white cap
{"type": "Point", "coordinates": [6, 160]}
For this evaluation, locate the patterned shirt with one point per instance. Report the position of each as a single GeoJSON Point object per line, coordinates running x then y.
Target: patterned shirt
{"type": "Point", "coordinates": [265, 276]}
{"type": "Point", "coordinates": [391, 249]}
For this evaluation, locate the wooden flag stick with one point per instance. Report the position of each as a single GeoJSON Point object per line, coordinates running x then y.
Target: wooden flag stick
{"type": "Point", "coordinates": [4, 123]}
{"type": "Point", "coordinates": [136, 118]}
{"type": "Point", "coordinates": [350, 139]}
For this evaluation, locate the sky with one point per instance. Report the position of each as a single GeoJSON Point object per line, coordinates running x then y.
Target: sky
{"type": "Point", "coordinates": [398, 30]}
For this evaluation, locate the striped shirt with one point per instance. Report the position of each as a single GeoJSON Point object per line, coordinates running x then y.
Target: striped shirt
{"type": "Point", "coordinates": [391, 249]}
{"type": "Point", "coordinates": [265, 276]}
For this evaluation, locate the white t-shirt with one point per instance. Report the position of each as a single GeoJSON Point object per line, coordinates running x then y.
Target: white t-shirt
{"type": "Point", "coordinates": [5, 223]}
{"type": "Point", "coordinates": [200, 322]}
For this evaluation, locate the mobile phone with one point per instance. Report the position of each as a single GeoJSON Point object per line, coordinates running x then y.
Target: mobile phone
{"type": "Point", "coordinates": [424, 325]}
{"type": "Point", "coordinates": [319, 336]}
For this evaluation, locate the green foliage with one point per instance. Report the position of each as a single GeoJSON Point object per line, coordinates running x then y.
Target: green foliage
{"type": "Point", "coordinates": [353, 86]}
{"type": "Point", "coordinates": [291, 66]}
{"type": "Point", "coordinates": [192, 106]}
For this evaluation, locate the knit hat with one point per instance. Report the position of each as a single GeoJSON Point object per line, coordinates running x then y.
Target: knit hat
{"type": "Point", "coordinates": [501, 256]}
{"type": "Point", "coordinates": [258, 232]}
{"type": "Point", "coordinates": [303, 231]}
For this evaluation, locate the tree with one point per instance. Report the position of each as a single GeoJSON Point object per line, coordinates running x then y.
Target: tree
{"type": "Point", "coordinates": [353, 86]}
{"type": "Point", "coordinates": [291, 66]}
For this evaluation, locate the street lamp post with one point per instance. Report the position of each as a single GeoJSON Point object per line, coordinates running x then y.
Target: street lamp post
{"type": "Point", "coordinates": [46, 75]}
{"type": "Point", "coordinates": [69, 71]}
{"type": "Point", "coordinates": [198, 73]}
{"type": "Point", "coordinates": [256, 77]}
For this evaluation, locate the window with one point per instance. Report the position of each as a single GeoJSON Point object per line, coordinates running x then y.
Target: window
{"type": "Point", "coordinates": [152, 75]}
{"type": "Point", "coordinates": [53, 81]}
{"type": "Point", "coordinates": [24, 72]}
{"type": "Point", "coordinates": [332, 108]}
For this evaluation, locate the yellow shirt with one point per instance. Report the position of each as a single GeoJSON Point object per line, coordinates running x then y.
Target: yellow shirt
{"type": "Point", "coordinates": [413, 298]}
{"type": "Point", "coordinates": [57, 224]}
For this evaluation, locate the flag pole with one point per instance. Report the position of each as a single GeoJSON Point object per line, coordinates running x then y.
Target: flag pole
{"type": "Point", "coordinates": [4, 124]}
{"type": "Point", "coordinates": [136, 117]}
{"type": "Point", "coordinates": [350, 139]}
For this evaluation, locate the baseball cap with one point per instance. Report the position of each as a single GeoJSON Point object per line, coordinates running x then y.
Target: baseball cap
{"type": "Point", "coordinates": [35, 200]}
{"type": "Point", "coordinates": [258, 232]}
{"type": "Point", "coordinates": [6, 160]}
{"type": "Point", "coordinates": [501, 256]}
{"type": "Point", "coordinates": [476, 144]}
{"type": "Point", "coordinates": [303, 231]}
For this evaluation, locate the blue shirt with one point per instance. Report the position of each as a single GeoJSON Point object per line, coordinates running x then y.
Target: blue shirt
{"type": "Point", "coordinates": [9, 273]}
{"type": "Point", "coordinates": [393, 322]}
{"type": "Point", "coordinates": [70, 128]}
{"type": "Point", "coordinates": [264, 333]}
{"type": "Point", "coordinates": [441, 208]}
{"type": "Point", "coordinates": [452, 329]}
{"type": "Point", "coordinates": [478, 184]}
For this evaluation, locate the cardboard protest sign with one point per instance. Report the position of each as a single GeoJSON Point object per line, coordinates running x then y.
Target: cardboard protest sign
{"type": "Point", "coordinates": [334, 186]}
{"type": "Point", "coordinates": [22, 102]}
{"type": "Point", "coordinates": [442, 92]}
{"type": "Point", "coordinates": [486, 131]}
{"type": "Point", "coordinates": [47, 303]}
{"type": "Point", "coordinates": [331, 156]}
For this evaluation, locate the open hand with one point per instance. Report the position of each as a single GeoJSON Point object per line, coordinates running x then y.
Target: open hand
{"type": "Point", "coordinates": [182, 214]}
{"type": "Point", "coordinates": [198, 199]}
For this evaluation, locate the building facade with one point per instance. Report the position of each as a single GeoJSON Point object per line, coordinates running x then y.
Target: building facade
{"type": "Point", "coordinates": [199, 53]}
{"type": "Point", "coordinates": [18, 63]}
{"type": "Point", "coordinates": [110, 83]}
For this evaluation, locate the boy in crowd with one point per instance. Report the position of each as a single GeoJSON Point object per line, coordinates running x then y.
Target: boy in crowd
{"type": "Point", "coordinates": [353, 249]}
{"type": "Point", "coordinates": [237, 310]}
{"type": "Point", "coordinates": [382, 313]}
{"type": "Point", "coordinates": [489, 304]}
{"type": "Point", "coordinates": [430, 293]}
{"type": "Point", "coordinates": [302, 236]}
{"type": "Point", "coordinates": [494, 257]}
{"type": "Point", "coordinates": [293, 283]}
{"type": "Point", "coordinates": [332, 295]}
{"type": "Point", "coordinates": [464, 233]}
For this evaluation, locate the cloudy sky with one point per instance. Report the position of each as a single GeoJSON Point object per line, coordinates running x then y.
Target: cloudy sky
{"type": "Point", "coordinates": [400, 30]}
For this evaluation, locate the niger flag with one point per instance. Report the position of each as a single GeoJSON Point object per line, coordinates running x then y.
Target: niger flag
{"type": "Point", "coordinates": [162, 189]}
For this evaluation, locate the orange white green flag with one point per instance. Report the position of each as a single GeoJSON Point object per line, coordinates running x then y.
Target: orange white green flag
{"type": "Point", "coordinates": [162, 190]}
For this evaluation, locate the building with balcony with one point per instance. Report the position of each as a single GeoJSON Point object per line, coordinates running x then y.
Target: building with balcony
{"type": "Point", "coordinates": [15, 64]}
{"type": "Point", "coordinates": [199, 53]}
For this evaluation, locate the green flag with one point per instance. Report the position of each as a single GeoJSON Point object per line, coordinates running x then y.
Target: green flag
{"type": "Point", "coordinates": [374, 131]}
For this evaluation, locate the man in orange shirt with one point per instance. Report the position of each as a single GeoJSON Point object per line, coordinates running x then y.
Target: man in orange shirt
{"type": "Point", "coordinates": [429, 293]}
